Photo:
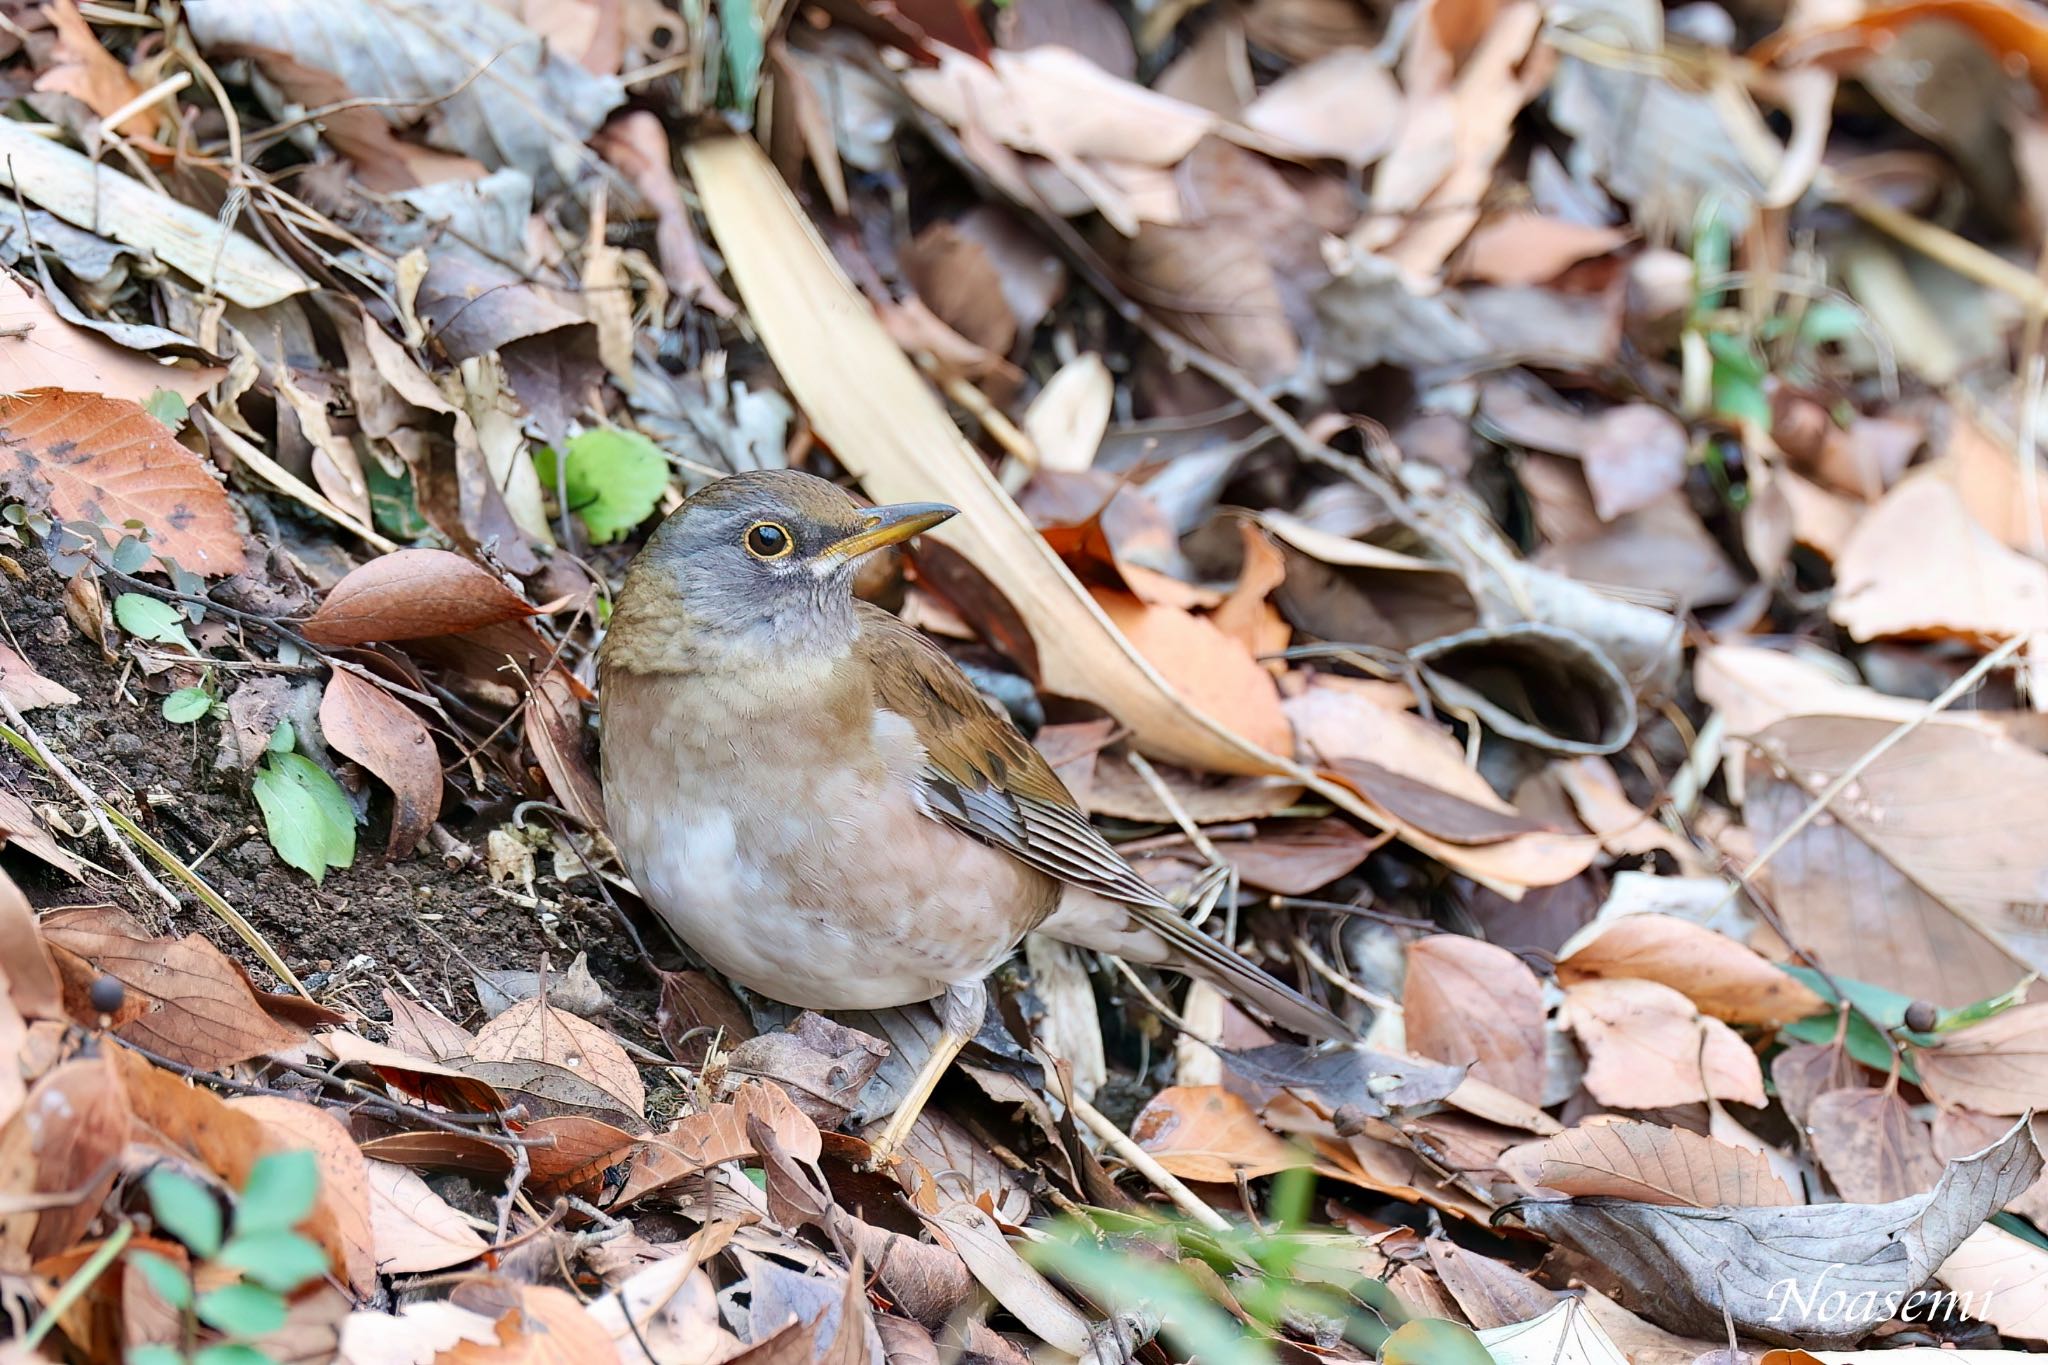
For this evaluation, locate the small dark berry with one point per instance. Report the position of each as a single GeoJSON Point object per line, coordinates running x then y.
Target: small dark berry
{"type": "Point", "coordinates": [106, 995]}
{"type": "Point", "coordinates": [1922, 1016]}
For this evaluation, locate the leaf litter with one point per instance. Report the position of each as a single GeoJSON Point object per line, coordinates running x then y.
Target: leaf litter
{"type": "Point", "coordinates": [1527, 515]}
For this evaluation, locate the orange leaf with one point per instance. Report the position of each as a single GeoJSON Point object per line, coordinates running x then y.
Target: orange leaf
{"type": "Point", "coordinates": [1215, 673]}
{"type": "Point", "coordinates": [106, 461]}
{"type": "Point", "coordinates": [1721, 976]}
{"type": "Point", "coordinates": [1653, 1164]}
{"type": "Point", "coordinates": [1646, 1048]}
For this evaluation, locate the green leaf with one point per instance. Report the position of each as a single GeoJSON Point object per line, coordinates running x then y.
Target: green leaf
{"type": "Point", "coordinates": [187, 704]}
{"type": "Point", "coordinates": [1435, 1341]}
{"type": "Point", "coordinates": [148, 619]}
{"type": "Point", "coordinates": [186, 1209]}
{"type": "Point", "coordinates": [167, 407]}
{"type": "Point", "coordinates": [614, 479]}
{"type": "Point", "coordinates": [393, 504]}
{"type": "Point", "coordinates": [1124, 1280]}
{"type": "Point", "coordinates": [280, 1192]}
{"type": "Point", "coordinates": [155, 1355]}
{"type": "Point", "coordinates": [1829, 320]}
{"type": "Point", "coordinates": [283, 739]}
{"type": "Point", "coordinates": [242, 1310]}
{"type": "Point", "coordinates": [306, 814]}
{"type": "Point", "coordinates": [740, 25]}
{"type": "Point", "coordinates": [130, 554]}
{"type": "Point", "coordinates": [167, 1280]}
{"type": "Point", "coordinates": [231, 1353]}
{"type": "Point", "coordinates": [276, 1260]}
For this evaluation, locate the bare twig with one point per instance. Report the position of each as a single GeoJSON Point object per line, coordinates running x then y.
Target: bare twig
{"type": "Point", "coordinates": [1146, 1165]}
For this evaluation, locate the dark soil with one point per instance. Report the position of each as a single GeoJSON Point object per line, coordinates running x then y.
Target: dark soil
{"type": "Point", "coordinates": [421, 923]}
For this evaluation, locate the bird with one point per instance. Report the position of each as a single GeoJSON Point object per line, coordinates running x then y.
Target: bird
{"type": "Point", "coordinates": [819, 802]}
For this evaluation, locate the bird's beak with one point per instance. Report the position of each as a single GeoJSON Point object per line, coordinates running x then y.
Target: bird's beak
{"type": "Point", "coordinates": [889, 525]}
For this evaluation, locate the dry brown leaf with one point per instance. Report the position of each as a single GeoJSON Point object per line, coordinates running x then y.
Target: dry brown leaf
{"type": "Point", "coordinates": [25, 960]}
{"type": "Point", "coordinates": [184, 999]}
{"type": "Point", "coordinates": [535, 1031]}
{"type": "Point", "coordinates": [1992, 482]}
{"type": "Point", "coordinates": [86, 71]}
{"type": "Point", "coordinates": [1214, 672]}
{"type": "Point", "coordinates": [2006, 1279]}
{"type": "Point", "coordinates": [1057, 104]}
{"type": "Point", "coordinates": [415, 1334]}
{"type": "Point", "coordinates": [537, 1325]}
{"type": "Point", "coordinates": [1226, 296]}
{"type": "Point", "coordinates": [26, 688]}
{"type": "Point", "coordinates": [344, 1178]}
{"type": "Point", "coordinates": [1871, 1146]}
{"type": "Point", "coordinates": [21, 827]}
{"type": "Point", "coordinates": [431, 1081]}
{"type": "Point", "coordinates": [1068, 417]}
{"type": "Point", "coordinates": [84, 457]}
{"type": "Point", "coordinates": [1647, 1048]}
{"type": "Point", "coordinates": [412, 594]}
{"type": "Point", "coordinates": [1531, 248]}
{"type": "Point", "coordinates": [1918, 565]}
{"type": "Point", "coordinates": [424, 1032]}
{"type": "Point", "coordinates": [50, 353]}
{"type": "Point", "coordinates": [554, 730]}
{"type": "Point", "coordinates": [574, 1152]}
{"type": "Point", "coordinates": [14, 1039]}
{"type": "Point", "coordinates": [1722, 977]}
{"type": "Point", "coordinates": [1343, 105]}
{"type": "Point", "coordinates": [1923, 877]}
{"type": "Point", "coordinates": [718, 1134]}
{"type": "Point", "coordinates": [1754, 688]}
{"type": "Point", "coordinates": [1204, 1132]}
{"type": "Point", "coordinates": [1999, 1066]}
{"type": "Point", "coordinates": [1653, 1164]}
{"type": "Point", "coordinates": [382, 733]}
{"type": "Point", "coordinates": [1472, 1003]}
{"type": "Point", "coordinates": [68, 1137]}
{"type": "Point", "coordinates": [1634, 455]}
{"type": "Point", "coordinates": [1299, 857]}
{"type": "Point", "coordinates": [955, 277]}
{"type": "Point", "coordinates": [415, 1230]}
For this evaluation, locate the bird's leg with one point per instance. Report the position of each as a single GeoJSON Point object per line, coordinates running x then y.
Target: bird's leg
{"type": "Point", "coordinates": [960, 1015]}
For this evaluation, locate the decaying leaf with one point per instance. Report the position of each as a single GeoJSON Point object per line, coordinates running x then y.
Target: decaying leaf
{"type": "Point", "coordinates": [535, 1035]}
{"type": "Point", "coordinates": [1999, 1066]}
{"type": "Point", "coordinates": [410, 594]}
{"type": "Point", "coordinates": [1719, 975]}
{"type": "Point", "coordinates": [1476, 1004]}
{"type": "Point", "coordinates": [1871, 1145]}
{"type": "Point", "coordinates": [1816, 1275]}
{"type": "Point", "coordinates": [1651, 1164]}
{"type": "Point", "coordinates": [1646, 1047]}
{"type": "Point", "coordinates": [383, 734]}
{"type": "Point", "coordinates": [414, 1229]}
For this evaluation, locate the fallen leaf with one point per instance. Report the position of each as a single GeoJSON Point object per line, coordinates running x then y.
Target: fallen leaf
{"type": "Point", "coordinates": [535, 1031]}
{"type": "Point", "coordinates": [1922, 876]}
{"type": "Point", "coordinates": [1785, 1274]}
{"type": "Point", "coordinates": [1068, 417]}
{"type": "Point", "coordinates": [343, 1228]}
{"type": "Point", "coordinates": [1999, 1066]}
{"type": "Point", "coordinates": [83, 457]}
{"type": "Point", "coordinates": [66, 1137]}
{"type": "Point", "coordinates": [1206, 1133]}
{"type": "Point", "coordinates": [26, 688]}
{"type": "Point", "coordinates": [1652, 1164]}
{"type": "Point", "coordinates": [719, 1134]}
{"type": "Point", "coordinates": [574, 1153]}
{"type": "Point", "coordinates": [25, 960]}
{"type": "Point", "coordinates": [1803, 1072]}
{"type": "Point", "coordinates": [83, 69]}
{"type": "Point", "coordinates": [1490, 1293]}
{"type": "Point", "coordinates": [21, 827]}
{"type": "Point", "coordinates": [1473, 1003]}
{"type": "Point", "coordinates": [1021, 1290]}
{"type": "Point", "coordinates": [1298, 857]}
{"type": "Point", "coordinates": [1722, 977]}
{"type": "Point", "coordinates": [411, 594]}
{"type": "Point", "coordinates": [1532, 248]}
{"type": "Point", "coordinates": [1634, 455]}
{"type": "Point", "coordinates": [1567, 1334]}
{"type": "Point", "coordinates": [1343, 105]}
{"type": "Point", "coordinates": [382, 733]}
{"type": "Point", "coordinates": [414, 1229]}
{"type": "Point", "coordinates": [1917, 565]}
{"type": "Point", "coordinates": [1647, 1048]}
{"type": "Point", "coordinates": [423, 1031]}
{"type": "Point", "coordinates": [1871, 1145]}
{"type": "Point", "coordinates": [431, 1081]}
{"type": "Point", "coordinates": [184, 999]}
{"type": "Point", "coordinates": [1215, 673]}
{"type": "Point", "coordinates": [2002, 1279]}
{"type": "Point", "coordinates": [417, 1333]}
{"type": "Point", "coordinates": [555, 732]}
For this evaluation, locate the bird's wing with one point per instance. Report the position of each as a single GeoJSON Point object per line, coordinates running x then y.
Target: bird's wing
{"type": "Point", "coordinates": [981, 774]}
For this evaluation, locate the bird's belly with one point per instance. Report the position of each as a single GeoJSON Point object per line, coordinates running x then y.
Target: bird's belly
{"type": "Point", "coordinates": [873, 905]}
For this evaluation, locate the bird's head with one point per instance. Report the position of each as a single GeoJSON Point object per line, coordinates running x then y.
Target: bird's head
{"type": "Point", "coordinates": [756, 567]}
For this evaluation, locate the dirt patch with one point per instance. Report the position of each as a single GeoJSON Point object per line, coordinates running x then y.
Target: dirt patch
{"type": "Point", "coordinates": [422, 925]}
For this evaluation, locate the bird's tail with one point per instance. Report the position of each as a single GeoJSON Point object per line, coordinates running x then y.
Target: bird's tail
{"type": "Point", "coordinates": [1155, 934]}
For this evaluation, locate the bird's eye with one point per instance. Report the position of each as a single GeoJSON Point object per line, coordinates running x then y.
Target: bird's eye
{"type": "Point", "coordinates": [766, 540]}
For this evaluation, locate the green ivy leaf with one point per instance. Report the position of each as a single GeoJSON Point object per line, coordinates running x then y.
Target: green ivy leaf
{"type": "Point", "coordinates": [148, 619]}
{"type": "Point", "coordinates": [393, 503]}
{"type": "Point", "coordinates": [242, 1310]}
{"type": "Point", "coordinates": [186, 1209]}
{"type": "Point", "coordinates": [1435, 1341]}
{"type": "Point", "coordinates": [281, 1190]}
{"type": "Point", "coordinates": [614, 479]}
{"type": "Point", "coordinates": [306, 814]}
{"type": "Point", "coordinates": [276, 1260]}
{"type": "Point", "coordinates": [187, 705]}
{"type": "Point", "coordinates": [167, 1280]}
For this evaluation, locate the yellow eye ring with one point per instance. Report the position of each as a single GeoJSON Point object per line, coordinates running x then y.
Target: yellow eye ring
{"type": "Point", "coordinates": [768, 540]}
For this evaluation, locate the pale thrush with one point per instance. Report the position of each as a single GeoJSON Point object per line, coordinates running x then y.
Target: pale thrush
{"type": "Point", "coordinates": [818, 801]}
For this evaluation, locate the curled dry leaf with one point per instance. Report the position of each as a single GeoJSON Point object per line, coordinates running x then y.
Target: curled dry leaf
{"type": "Point", "coordinates": [1652, 1164]}
{"type": "Point", "coordinates": [1871, 1146]}
{"type": "Point", "coordinates": [386, 736]}
{"type": "Point", "coordinates": [979, 1241]}
{"type": "Point", "coordinates": [1999, 1066]}
{"type": "Point", "coordinates": [25, 961]}
{"type": "Point", "coordinates": [414, 1228]}
{"type": "Point", "coordinates": [411, 594]}
{"type": "Point", "coordinates": [431, 1081]}
{"type": "Point", "coordinates": [184, 999]}
{"type": "Point", "coordinates": [1721, 976]}
{"type": "Point", "coordinates": [1648, 1048]}
{"type": "Point", "coordinates": [65, 356]}
{"type": "Point", "coordinates": [534, 1031]}
{"type": "Point", "coordinates": [1473, 1003]}
{"type": "Point", "coordinates": [704, 1139]}
{"type": "Point", "coordinates": [80, 456]}
{"type": "Point", "coordinates": [1694, 1265]}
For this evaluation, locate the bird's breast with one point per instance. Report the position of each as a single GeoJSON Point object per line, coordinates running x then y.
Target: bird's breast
{"type": "Point", "coordinates": [791, 850]}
